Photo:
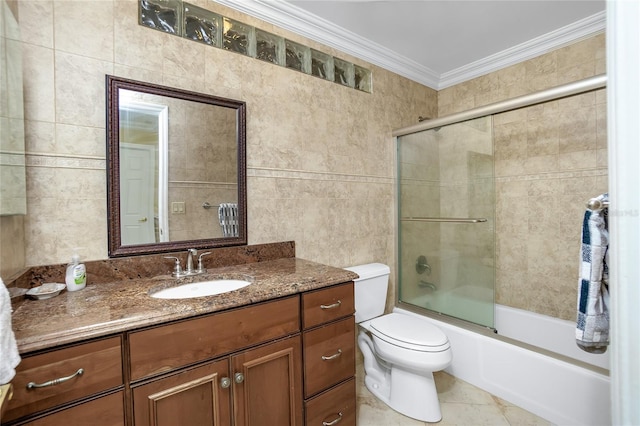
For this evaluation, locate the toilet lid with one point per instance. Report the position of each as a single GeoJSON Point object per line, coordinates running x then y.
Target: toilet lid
{"type": "Point", "coordinates": [408, 329]}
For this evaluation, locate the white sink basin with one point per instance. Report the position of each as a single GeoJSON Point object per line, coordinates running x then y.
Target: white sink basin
{"type": "Point", "coordinates": [205, 288]}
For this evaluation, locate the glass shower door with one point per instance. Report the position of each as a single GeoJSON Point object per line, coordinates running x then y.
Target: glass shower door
{"type": "Point", "coordinates": [446, 216]}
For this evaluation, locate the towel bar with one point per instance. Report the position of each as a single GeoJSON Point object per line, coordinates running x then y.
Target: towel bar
{"type": "Point", "coordinates": [444, 219]}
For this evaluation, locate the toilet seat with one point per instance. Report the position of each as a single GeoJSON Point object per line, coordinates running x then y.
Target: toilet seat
{"type": "Point", "coordinates": [409, 332]}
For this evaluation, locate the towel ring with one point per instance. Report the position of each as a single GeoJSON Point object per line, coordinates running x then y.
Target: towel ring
{"type": "Point", "coordinates": [595, 204]}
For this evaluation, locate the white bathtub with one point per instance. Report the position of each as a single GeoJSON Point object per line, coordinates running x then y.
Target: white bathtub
{"type": "Point", "coordinates": [561, 391]}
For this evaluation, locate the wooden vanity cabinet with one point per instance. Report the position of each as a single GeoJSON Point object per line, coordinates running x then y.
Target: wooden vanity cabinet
{"type": "Point", "coordinates": [329, 356]}
{"type": "Point", "coordinates": [289, 361]}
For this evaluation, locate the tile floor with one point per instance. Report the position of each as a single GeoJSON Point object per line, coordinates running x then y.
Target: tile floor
{"type": "Point", "coordinates": [462, 404]}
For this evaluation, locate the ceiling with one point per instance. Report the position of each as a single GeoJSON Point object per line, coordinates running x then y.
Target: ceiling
{"type": "Point", "coordinates": [436, 42]}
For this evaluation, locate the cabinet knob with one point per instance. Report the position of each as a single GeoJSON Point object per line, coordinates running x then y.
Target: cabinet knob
{"type": "Point", "coordinates": [238, 378]}
{"type": "Point", "coordinates": [225, 382]}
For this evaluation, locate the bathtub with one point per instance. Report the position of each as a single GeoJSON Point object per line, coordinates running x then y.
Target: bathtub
{"type": "Point", "coordinates": [559, 382]}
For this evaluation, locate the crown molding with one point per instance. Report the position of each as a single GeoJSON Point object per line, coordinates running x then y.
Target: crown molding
{"type": "Point", "coordinates": [556, 39]}
{"type": "Point", "coordinates": [298, 21]}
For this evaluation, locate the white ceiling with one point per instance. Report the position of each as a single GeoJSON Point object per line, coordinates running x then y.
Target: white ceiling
{"type": "Point", "coordinates": [435, 42]}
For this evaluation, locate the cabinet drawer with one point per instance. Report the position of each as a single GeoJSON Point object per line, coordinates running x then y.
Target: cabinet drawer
{"type": "Point", "coordinates": [328, 304]}
{"type": "Point", "coordinates": [329, 355]}
{"type": "Point", "coordinates": [100, 361]}
{"type": "Point", "coordinates": [335, 405]}
{"type": "Point", "coordinates": [105, 411]}
{"type": "Point", "coordinates": [172, 346]}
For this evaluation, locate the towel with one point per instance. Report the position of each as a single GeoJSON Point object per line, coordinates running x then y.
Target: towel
{"type": "Point", "coordinates": [9, 357]}
{"type": "Point", "coordinates": [592, 328]}
{"type": "Point", "coordinates": [228, 218]}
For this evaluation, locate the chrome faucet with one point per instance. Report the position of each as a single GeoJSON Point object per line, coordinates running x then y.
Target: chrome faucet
{"type": "Point", "coordinates": [178, 272]}
{"type": "Point", "coordinates": [190, 253]}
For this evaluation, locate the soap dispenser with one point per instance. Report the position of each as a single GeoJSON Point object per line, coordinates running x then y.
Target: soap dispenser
{"type": "Point", "coordinates": [76, 278]}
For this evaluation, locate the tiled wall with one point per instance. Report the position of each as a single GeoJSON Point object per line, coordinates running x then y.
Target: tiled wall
{"type": "Point", "coordinates": [550, 159]}
{"type": "Point", "coordinates": [320, 156]}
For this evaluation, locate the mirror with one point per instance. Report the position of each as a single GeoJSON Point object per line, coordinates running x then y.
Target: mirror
{"type": "Point", "coordinates": [176, 169]}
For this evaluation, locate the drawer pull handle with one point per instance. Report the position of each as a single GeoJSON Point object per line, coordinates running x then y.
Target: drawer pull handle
{"type": "Point", "coordinates": [225, 382]}
{"type": "Point", "coordinates": [330, 357]}
{"type": "Point", "coordinates": [331, 306]}
{"type": "Point", "coordinates": [32, 385]}
{"type": "Point", "coordinates": [333, 422]}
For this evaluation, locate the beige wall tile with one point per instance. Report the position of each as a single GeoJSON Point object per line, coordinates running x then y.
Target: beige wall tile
{"type": "Point", "coordinates": [84, 28]}
{"type": "Point", "coordinates": [38, 69]}
{"type": "Point", "coordinates": [36, 21]}
{"type": "Point", "coordinates": [80, 105]}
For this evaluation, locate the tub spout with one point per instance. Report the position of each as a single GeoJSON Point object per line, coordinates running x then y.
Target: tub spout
{"type": "Point", "coordinates": [426, 284]}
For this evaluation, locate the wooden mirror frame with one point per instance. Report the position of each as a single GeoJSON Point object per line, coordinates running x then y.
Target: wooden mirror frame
{"type": "Point", "coordinates": [116, 249]}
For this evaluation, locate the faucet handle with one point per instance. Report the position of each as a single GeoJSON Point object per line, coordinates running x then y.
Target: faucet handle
{"type": "Point", "coordinates": [177, 269]}
{"type": "Point", "coordinates": [201, 269]}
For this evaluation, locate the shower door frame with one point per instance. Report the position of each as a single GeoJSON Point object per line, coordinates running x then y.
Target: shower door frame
{"type": "Point", "coordinates": [554, 93]}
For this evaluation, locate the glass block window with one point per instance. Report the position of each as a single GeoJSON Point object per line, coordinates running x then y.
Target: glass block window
{"type": "Point", "coordinates": [321, 65]}
{"type": "Point", "coordinates": [269, 47]}
{"type": "Point", "coordinates": [163, 15]}
{"type": "Point", "coordinates": [297, 56]}
{"type": "Point", "coordinates": [343, 72]}
{"type": "Point", "coordinates": [238, 37]}
{"type": "Point", "coordinates": [362, 79]}
{"type": "Point", "coordinates": [202, 25]}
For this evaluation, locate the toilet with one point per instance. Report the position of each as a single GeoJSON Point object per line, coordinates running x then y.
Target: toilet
{"type": "Point", "coordinates": [400, 351]}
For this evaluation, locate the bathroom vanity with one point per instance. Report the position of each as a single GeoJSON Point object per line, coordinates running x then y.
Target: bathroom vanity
{"type": "Point", "coordinates": [279, 351]}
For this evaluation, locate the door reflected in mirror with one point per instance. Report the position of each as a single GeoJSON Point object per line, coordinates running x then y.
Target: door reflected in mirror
{"type": "Point", "coordinates": [176, 169]}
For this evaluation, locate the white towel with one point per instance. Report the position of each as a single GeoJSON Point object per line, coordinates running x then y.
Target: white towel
{"type": "Point", "coordinates": [9, 356]}
{"type": "Point", "coordinates": [592, 326]}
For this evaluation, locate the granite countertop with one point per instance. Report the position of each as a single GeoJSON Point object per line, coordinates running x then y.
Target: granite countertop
{"type": "Point", "coordinates": [107, 308]}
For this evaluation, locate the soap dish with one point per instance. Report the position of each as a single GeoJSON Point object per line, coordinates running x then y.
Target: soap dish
{"type": "Point", "coordinates": [46, 291]}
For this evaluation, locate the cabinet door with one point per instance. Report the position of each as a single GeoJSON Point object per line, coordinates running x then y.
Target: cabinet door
{"type": "Point", "coordinates": [196, 396]}
{"type": "Point", "coordinates": [267, 388]}
{"type": "Point", "coordinates": [104, 411]}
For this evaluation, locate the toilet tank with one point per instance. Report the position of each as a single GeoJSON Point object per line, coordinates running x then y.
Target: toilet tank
{"type": "Point", "coordinates": [370, 290]}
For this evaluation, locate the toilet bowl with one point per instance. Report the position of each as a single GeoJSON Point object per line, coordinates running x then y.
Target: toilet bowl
{"type": "Point", "coordinates": [401, 352]}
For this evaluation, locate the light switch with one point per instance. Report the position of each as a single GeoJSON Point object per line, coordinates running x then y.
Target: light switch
{"type": "Point", "coordinates": [178, 207]}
